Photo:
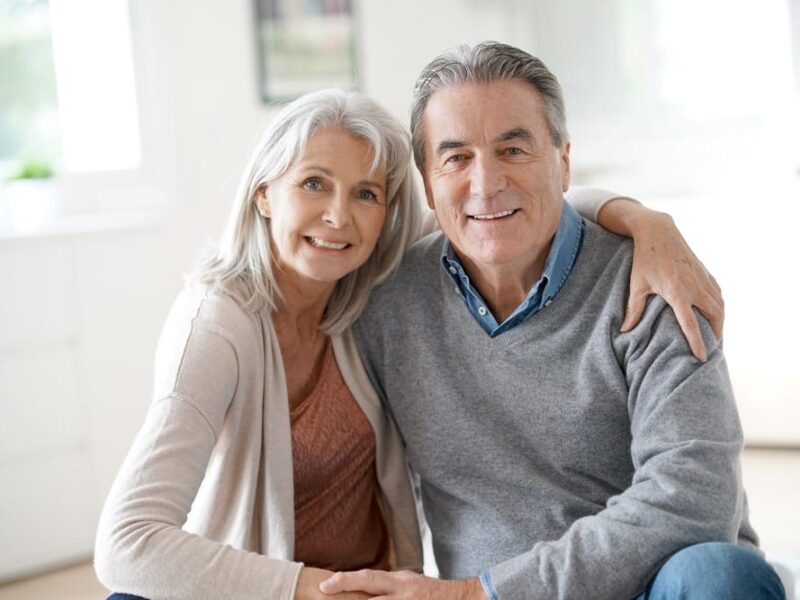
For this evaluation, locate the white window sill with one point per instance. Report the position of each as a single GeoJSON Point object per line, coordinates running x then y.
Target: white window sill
{"type": "Point", "coordinates": [71, 224]}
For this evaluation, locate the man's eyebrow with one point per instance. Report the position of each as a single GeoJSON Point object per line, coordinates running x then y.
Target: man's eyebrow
{"type": "Point", "coordinates": [449, 145]}
{"type": "Point", "coordinates": [518, 133]}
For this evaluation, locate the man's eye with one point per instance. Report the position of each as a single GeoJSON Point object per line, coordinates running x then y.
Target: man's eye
{"type": "Point", "coordinates": [513, 151]}
{"type": "Point", "coordinates": [454, 158]}
{"type": "Point", "coordinates": [313, 184]}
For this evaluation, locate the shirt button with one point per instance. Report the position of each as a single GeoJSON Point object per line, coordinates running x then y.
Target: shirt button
{"type": "Point", "coordinates": [482, 311]}
{"type": "Point", "coordinates": [453, 270]}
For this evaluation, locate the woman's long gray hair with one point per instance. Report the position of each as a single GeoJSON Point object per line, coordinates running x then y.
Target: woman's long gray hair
{"type": "Point", "coordinates": [244, 252]}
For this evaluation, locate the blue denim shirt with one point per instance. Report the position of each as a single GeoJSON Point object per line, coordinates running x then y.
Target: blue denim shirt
{"type": "Point", "coordinates": [563, 252]}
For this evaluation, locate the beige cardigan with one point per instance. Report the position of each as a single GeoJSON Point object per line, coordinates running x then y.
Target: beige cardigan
{"type": "Point", "coordinates": [217, 439]}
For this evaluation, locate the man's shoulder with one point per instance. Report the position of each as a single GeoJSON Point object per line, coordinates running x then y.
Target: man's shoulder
{"type": "Point", "coordinates": [605, 261]}
{"type": "Point", "coordinates": [425, 252]}
{"type": "Point", "coordinates": [420, 265]}
{"type": "Point", "coordinates": [605, 246]}
{"type": "Point", "coordinates": [417, 275]}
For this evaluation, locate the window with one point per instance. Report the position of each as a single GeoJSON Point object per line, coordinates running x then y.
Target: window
{"type": "Point", "coordinates": [68, 91]}
{"type": "Point", "coordinates": [28, 105]}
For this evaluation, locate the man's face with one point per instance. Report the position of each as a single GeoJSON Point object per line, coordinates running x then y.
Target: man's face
{"type": "Point", "coordinates": [493, 174]}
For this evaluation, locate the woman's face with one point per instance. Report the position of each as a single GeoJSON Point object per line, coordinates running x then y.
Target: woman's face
{"type": "Point", "coordinates": [327, 211]}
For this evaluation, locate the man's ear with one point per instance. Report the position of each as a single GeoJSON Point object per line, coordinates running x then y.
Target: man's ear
{"type": "Point", "coordinates": [261, 199]}
{"type": "Point", "coordinates": [564, 158]}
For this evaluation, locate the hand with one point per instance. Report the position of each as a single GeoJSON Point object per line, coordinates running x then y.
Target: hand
{"type": "Point", "coordinates": [403, 585]}
{"type": "Point", "coordinates": [308, 586]}
{"type": "Point", "coordinates": [664, 264]}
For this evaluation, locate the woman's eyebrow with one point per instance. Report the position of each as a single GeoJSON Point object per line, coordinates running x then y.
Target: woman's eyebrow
{"type": "Point", "coordinates": [369, 183]}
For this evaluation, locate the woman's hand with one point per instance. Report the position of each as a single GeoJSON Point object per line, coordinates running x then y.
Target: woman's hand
{"type": "Point", "coordinates": [308, 587]}
{"type": "Point", "coordinates": [664, 264]}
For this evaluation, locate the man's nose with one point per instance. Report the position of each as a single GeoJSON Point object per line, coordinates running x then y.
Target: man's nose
{"type": "Point", "coordinates": [338, 211]}
{"type": "Point", "coordinates": [487, 177]}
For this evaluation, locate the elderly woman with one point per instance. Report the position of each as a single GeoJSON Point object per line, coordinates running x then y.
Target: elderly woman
{"type": "Point", "coordinates": [265, 460]}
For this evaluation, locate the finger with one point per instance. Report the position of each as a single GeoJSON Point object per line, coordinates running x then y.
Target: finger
{"type": "Point", "coordinates": [716, 284]}
{"type": "Point", "coordinates": [371, 582]}
{"type": "Point", "coordinates": [714, 313]}
{"type": "Point", "coordinates": [716, 293]}
{"type": "Point", "coordinates": [691, 330]}
{"type": "Point", "coordinates": [636, 303]}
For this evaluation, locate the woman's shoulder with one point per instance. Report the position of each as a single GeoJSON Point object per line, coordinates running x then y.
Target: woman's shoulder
{"type": "Point", "coordinates": [209, 336]}
{"type": "Point", "coordinates": [231, 311]}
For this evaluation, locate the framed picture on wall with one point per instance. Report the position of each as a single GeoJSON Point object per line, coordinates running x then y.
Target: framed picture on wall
{"type": "Point", "coordinates": [304, 45]}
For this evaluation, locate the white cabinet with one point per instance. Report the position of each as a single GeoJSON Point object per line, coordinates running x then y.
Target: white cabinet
{"type": "Point", "coordinates": [79, 319]}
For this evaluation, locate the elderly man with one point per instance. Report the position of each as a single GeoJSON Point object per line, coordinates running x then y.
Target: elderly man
{"type": "Point", "coordinates": [557, 456]}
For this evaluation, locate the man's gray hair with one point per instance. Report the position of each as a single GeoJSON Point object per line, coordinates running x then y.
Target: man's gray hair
{"type": "Point", "coordinates": [244, 255]}
{"type": "Point", "coordinates": [484, 63]}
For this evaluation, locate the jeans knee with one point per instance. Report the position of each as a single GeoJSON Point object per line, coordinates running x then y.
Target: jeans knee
{"type": "Point", "coordinates": [716, 570]}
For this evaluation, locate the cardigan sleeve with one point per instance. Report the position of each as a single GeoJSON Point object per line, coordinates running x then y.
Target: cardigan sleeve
{"type": "Point", "coordinates": [588, 200]}
{"type": "Point", "coordinates": [140, 546]}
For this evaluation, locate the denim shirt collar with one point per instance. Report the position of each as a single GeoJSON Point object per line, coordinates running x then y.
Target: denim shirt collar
{"type": "Point", "coordinates": [563, 253]}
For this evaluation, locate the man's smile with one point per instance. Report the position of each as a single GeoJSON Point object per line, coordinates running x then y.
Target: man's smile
{"type": "Point", "coordinates": [495, 216]}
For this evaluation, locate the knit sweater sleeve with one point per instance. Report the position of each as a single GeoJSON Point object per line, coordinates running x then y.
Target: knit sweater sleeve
{"type": "Point", "coordinates": [686, 489]}
{"type": "Point", "coordinates": [140, 546]}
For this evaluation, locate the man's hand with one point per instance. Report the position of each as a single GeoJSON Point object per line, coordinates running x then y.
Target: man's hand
{"type": "Point", "coordinates": [308, 586]}
{"type": "Point", "coordinates": [403, 585]}
{"type": "Point", "coordinates": [664, 264]}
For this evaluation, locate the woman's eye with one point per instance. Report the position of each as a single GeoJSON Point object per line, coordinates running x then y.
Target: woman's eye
{"type": "Point", "coordinates": [367, 195]}
{"type": "Point", "coordinates": [312, 184]}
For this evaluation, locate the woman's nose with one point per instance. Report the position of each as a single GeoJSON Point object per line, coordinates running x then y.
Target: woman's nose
{"type": "Point", "coordinates": [338, 212]}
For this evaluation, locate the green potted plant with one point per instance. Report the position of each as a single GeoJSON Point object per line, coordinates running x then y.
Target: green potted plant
{"type": "Point", "coordinates": [32, 169]}
{"type": "Point", "coordinates": [32, 195]}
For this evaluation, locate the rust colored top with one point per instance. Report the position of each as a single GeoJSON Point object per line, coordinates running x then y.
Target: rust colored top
{"type": "Point", "coordinates": [338, 522]}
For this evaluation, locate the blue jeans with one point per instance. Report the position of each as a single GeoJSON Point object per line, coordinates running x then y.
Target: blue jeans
{"type": "Point", "coordinates": [715, 571]}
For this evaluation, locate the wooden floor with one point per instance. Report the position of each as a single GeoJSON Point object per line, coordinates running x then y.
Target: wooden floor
{"type": "Point", "coordinates": [771, 478]}
{"type": "Point", "coordinates": [75, 583]}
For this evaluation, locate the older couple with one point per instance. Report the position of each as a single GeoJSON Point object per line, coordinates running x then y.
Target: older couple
{"type": "Point", "coordinates": [564, 445]}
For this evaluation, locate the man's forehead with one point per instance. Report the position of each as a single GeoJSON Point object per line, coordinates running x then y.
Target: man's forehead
{"type": "Point", "coordinates": [505, 109]}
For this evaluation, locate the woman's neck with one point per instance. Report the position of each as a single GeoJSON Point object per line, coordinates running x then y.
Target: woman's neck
{"type": "Point", "coordinates": [301, 307]}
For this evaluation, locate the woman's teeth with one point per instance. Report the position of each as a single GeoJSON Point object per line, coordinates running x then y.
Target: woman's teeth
{"type": "Point", "coordinates": [329, 245]}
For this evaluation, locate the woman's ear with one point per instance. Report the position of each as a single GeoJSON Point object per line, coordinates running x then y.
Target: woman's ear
{"type": "Point", "coordinates": [262, 200]}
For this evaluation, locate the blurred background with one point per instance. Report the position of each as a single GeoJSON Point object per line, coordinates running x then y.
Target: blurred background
{"type": "Point", "coordinates": [125, 125]}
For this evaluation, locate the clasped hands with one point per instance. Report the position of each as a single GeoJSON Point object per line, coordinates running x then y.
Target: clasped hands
{"type": "Point", "coordinates": [384, 585]}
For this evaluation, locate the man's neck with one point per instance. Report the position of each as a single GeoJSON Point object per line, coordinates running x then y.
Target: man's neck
{"type": "Point", "coordinates": [504, 287]}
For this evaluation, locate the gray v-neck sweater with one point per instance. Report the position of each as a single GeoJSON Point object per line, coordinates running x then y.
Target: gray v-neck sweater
{"type": "Point", "coordinates": [568, 459]}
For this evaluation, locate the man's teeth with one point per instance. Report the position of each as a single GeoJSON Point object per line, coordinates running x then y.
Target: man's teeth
{"type": "Point", "coordinates": [330, 245]}
{"type": "Point", "coordinates": [497, 215]}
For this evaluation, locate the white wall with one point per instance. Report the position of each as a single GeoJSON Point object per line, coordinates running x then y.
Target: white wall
{"type": "Point", "coordinates": [79, 325]}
